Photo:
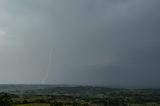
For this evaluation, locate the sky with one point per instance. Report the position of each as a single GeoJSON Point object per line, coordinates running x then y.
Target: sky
{"type": "Point", "coordinates": [83, 42]}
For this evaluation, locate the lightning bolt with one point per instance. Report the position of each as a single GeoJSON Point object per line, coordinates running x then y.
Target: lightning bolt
{"type": "Point", "coordinates": [48, 66]}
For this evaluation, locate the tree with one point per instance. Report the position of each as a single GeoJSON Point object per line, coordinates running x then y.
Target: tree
{"type": "Point", "coordinates": [5, 99]}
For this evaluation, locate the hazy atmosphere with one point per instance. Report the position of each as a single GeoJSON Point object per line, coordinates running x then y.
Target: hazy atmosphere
{"type": "Point", "coordinates": [83, 42]}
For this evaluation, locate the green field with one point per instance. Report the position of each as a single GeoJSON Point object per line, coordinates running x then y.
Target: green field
{"type": "Point", "coordinates": [81, 96]}
{"type": "Point", "coordinates": [32, 104]}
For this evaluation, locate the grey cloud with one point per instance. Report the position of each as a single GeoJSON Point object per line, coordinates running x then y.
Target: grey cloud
{"type": "Point", "coordinates": [99, 42]}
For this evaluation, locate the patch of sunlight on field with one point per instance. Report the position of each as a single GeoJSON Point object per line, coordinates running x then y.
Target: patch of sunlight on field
{"type": "Point", "coordinates": [33, 104]}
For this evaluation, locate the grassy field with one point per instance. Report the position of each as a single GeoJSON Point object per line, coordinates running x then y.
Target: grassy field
{"type": "Point", "coordinates": [32, 104]}
{"type": "Point", "coordinates": [81, 96]}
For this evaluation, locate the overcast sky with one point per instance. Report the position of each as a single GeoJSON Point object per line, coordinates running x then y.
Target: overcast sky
{"type": "Point", "coordinates": [84, 42]}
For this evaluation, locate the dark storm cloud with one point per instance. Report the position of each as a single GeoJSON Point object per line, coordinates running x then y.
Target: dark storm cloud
{"type": "Point", "coordinates": [94, 42]}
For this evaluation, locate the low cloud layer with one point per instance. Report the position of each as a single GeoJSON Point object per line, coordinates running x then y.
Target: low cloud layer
{"type": "Point", "coordinates": [94, 42]}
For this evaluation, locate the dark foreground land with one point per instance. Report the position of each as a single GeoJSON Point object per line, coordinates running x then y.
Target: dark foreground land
{"type": "Point", "coordinates": [51, 95]}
